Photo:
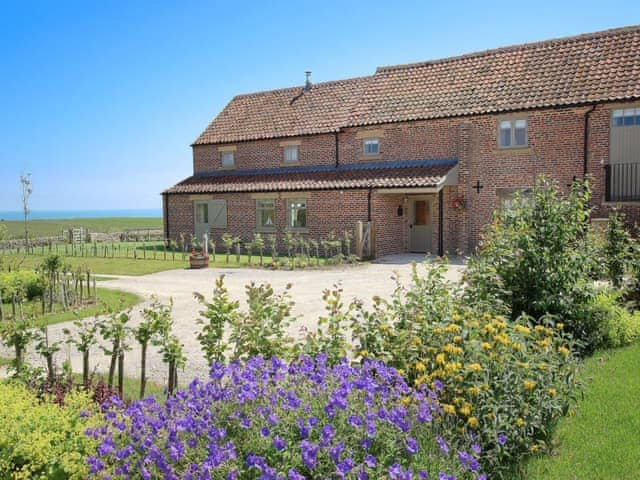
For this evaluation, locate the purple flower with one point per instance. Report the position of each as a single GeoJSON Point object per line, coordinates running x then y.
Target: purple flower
{"type": "Point", "coordinates": [412, 446]}
{"type": "Point", "coordinates": [279, 443]}
{"type": "Point", "coordinates": [265, 432]}
{"type": "Point", "coordinates": [502, 439]}
{"type": "Point", "coordinates": [370, 461]}
{"type": "Point", "coordinates": [442, 444]}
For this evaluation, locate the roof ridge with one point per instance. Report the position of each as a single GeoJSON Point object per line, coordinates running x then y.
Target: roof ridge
{"type": "Point", "coordinates": [512, 48]}
{"type": "Point", "coordinates": [301, 87]}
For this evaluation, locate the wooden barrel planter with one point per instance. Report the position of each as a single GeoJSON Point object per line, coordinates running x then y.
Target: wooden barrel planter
{"type": "Point", "coordinates": [199, 261]}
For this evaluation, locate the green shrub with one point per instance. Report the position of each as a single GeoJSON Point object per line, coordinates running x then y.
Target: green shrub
{"type": "Point", "coordinates": [535, 259]}
{"type": "Point", "coordinates": [41, 439]}
{"type": "Point", "coordinates": [25, 283]}
{"type": "Point", "coordinates": [505, 382]}
{"type": "Point", "coordinates": [619, 326]}
{"type": "Point", "coordinates": [617, 249]}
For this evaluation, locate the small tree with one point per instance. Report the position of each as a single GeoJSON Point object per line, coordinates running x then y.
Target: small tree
{"type": "Point", "coordinates": [290, 245]}
{"type": "Point", "coordinates": [17, 334]}
{"type": "Point", "coordinates": [27, 190]}
{"type": "Point", "coordinates": [248, 246]}
{"type": "Point", "coordinates": [116, 331]}
{"type": "Point", "coordinates": [221, 311]}
{"type": "Point", "coordinates": [85, 338]}
{"type": "Point", "coordinates": [156, 322]}
{"type": "Point", "coordinates": [273, 246]}
{"type": "Point", "coordinates": [258, 243]}
{"type": "Point", "coordinates": [46, 349]}
{"type": "Point", "coordinates": [228, 240]}
{"type": "Point", "coordinates": [173, 355]}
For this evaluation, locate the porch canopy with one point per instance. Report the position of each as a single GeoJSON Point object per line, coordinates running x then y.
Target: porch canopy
{"type": "Point", "coordinates": [407, 176]}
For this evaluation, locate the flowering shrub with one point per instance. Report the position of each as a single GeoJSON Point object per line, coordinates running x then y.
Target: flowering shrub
{"type": "Point", "coordinates": [39, 439]}
{"type": "Point", "coordinates": [505, 382]}
{"type": "Point", "coordinates": [270, 420]}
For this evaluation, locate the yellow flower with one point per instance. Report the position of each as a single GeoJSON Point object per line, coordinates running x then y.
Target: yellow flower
{"type": "Point", "coordinates": [441, 359]}
{"type": "Point", "coordinates": [534, 448]}
{"type": "Point", "coordinates": [473, 391]}
{"type": "Point", "coordinates": [552, 392]}
{"type": "Point", "coordinates": [476, 367]}
{"type": "Point", "coordinates": [529, 385]}
{"type": "Point", "coordinates": [523, 329]}
{"type": "Point", "coordinates": [416, 341]}
{"type": "Point", "coordinates": [364, 353]}
{"type": "Point", "coordinates": [457, 339]}
{"type": "Point", "coordinates": [559, 326]}
{"type": "Point", "coordinates": [401, 372]}
{"type": "Point", "coordinates": [420, 367]}
{"type": "Point", "coordinates": [406, 400]}
{"type": "Point", "coordinates": [543, 366]}
{"type": "Point", "coordinates": [486, 345]}
{"type": "Point", "coordinates": [465, 410]}
{"type": "Point", "coordinates": [490, 416]}
{"type": "Point", "coordinates": [450, 409]}
{"type": "Point", "coordinates": [502, 338]}
{"type": "Point", "coordinates": [564, 351]}
{"type": "Point", "coordinates": [473, 422]}
{"type": "Point", "coordinates": [522, 365]}
{"type": "Point", "coordinates": [520, 422]}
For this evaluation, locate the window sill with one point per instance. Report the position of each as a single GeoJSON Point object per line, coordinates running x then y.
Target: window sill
{"type": "Point", "coordinates": [377, 156]}
{"type": "Point", "coordinates": [526, 149]}
{"type": "Point", "coordinates": [227, 168]}
{"type": "Point", "coordinates": [266, 229]}
{"type": "Point", "coordinates": [290, 164]}
{"type": "Point", "coordinates": [297, 230]}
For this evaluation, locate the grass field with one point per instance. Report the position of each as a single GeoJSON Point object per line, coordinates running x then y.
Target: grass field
{"type": "Point", "coordinates": [50, 228]}
{"type": "Point", "coordinates": [107, 298]}
{"type": "Point", "coordinates": [144, 262]}
{"type": "Point", "coordinates": [602, 440]}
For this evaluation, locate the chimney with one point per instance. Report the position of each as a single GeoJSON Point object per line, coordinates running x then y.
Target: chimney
{"type": "Point", "coordinates": [307, 83]}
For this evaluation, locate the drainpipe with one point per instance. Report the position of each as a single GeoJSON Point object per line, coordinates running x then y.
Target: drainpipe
{"type": "Point", "coordinates": [165, 204]}
{"type": "Point", "coordinates": [337, 151]}
{"type": "Point", "coordinates": [585, 149]}
{"type": "Point", "coordinates": [440, 223]}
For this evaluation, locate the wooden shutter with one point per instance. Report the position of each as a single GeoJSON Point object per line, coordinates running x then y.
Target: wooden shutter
{"type": "Point", "coordinates": [218, 213]}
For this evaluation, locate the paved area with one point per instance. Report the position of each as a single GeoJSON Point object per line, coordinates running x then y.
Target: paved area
{"type": "Point", "coordinates": [359, 281]}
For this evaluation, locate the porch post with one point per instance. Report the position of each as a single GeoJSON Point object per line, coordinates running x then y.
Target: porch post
{"type": "Point", "coordinates": [440, 223]}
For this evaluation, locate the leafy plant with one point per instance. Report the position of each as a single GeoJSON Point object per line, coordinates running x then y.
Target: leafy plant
{"type": "Point", "coordinates": [116, 331]}
{"type": "Point", "coordinates": [218, 313]}
{"type": "Point", "coordinates": [153, 328]}
{"type": "Point", "coordinates": [259, 244]}
{"type": "Point", "coordinates": [228, 241]}
{"type": "Point", "coordinates": [84, 336]}
{"type": "Point", "coordinates": [17, 334]}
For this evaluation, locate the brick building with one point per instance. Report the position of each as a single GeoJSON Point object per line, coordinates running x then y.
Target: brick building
{"type": "Point", "coordinates": [425, 151]}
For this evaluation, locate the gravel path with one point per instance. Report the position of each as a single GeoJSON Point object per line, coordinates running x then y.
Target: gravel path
{"type": "Point", "coordinates": [361, 281]}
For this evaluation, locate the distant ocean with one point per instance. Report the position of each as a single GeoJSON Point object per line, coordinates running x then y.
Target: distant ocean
{"type": "Point", "coordinates": [64, 214]}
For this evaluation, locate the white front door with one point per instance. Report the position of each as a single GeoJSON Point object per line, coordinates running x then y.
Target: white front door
{"type": "Point", "coordinates": [420, 226]}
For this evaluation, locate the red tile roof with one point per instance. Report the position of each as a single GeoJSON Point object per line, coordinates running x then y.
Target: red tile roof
{"type": "Point", "coordinates": [594, 67]}
{"type": "Point", "coordinates": [421, 173]}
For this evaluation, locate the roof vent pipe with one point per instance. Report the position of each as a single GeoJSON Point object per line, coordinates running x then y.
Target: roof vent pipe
{"type": "Point", "coordinates": [307, 83]}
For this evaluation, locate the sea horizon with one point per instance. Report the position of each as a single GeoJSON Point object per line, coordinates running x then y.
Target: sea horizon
{"type": "Point", "coordinates": [72, 214]}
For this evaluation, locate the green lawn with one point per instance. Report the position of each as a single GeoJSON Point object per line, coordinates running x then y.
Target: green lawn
{"type": "Point", "coordinates": [141, 265]}
{"type": "Point", "coordinates": [602, 439]}
{"type": "Point", "coordinates": [49, 228]}
{"type": "Point", "coordinates": [110, 298]}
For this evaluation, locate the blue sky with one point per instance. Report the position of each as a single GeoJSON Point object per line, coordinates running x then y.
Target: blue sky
{"type": "Point", "coordinates": [100, 100]}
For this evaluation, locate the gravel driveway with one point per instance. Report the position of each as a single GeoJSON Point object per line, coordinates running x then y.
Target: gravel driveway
{"type": "Point", "coordinates": [360, 281]}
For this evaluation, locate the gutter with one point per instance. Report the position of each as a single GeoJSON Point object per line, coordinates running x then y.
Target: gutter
{"type": "Point", "coordinates": [585, 149]}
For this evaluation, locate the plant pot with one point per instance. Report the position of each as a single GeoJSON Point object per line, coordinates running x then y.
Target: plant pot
{"type": "Point", "coordinates": [199, 261]}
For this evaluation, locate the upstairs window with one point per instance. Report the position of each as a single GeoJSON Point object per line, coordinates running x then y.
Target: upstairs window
{"type": "Point", "coordinates": [512, 133]}
{"type": "Point", "coordinates": [625, 117]}
{"type": "Point", "coordinates": [266, 214]}
{"type": "Point", "coordinates": [228, 159]}
{"type": "Point", "coordinates": [371, 146]}
{"type": "Point", "coordinates": [297, 213]}
{"type": "Point", "coordinates": [291, 154]}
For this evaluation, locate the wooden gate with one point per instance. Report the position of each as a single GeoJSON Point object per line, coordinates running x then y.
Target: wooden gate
{"type": "Point", "coordinates": [365, 247]}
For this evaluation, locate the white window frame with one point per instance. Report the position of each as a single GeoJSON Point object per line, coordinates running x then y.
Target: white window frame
{"type": "Point", "coordinates": [624, 114]}
{"type": "Point", "coordinates": [225, 156]}
{"type": "Point", "coordinates": [265, 204]}
{"type": "Point", "coordinates": [370, 141]}
{"type": "Point", "coordinates": [202, 207]}
{"type": "Point", "coordinates": [291, 154]}
{"type": "Point", "coordinates": [290, 203]}
{"type": "Point", "coordinates": [512, 132]}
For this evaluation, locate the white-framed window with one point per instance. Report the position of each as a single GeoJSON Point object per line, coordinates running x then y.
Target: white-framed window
{"type": "Point", "coordinates": [265, 213]}
{"type": "Point", "coordinates": [291, 154]}
{"type": "Point", "coordinates": [625, 117]}
{"type": "Point", "coordinates": [371, 146]}
{"type": "Point", "coordinates": [512, 133]}
{"type": "Point", "coordinates": [297, 213]}
{"type": "Point", "coordinates": [228, 159]}
{"type": "Point", "coordinates": [506, 196]}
